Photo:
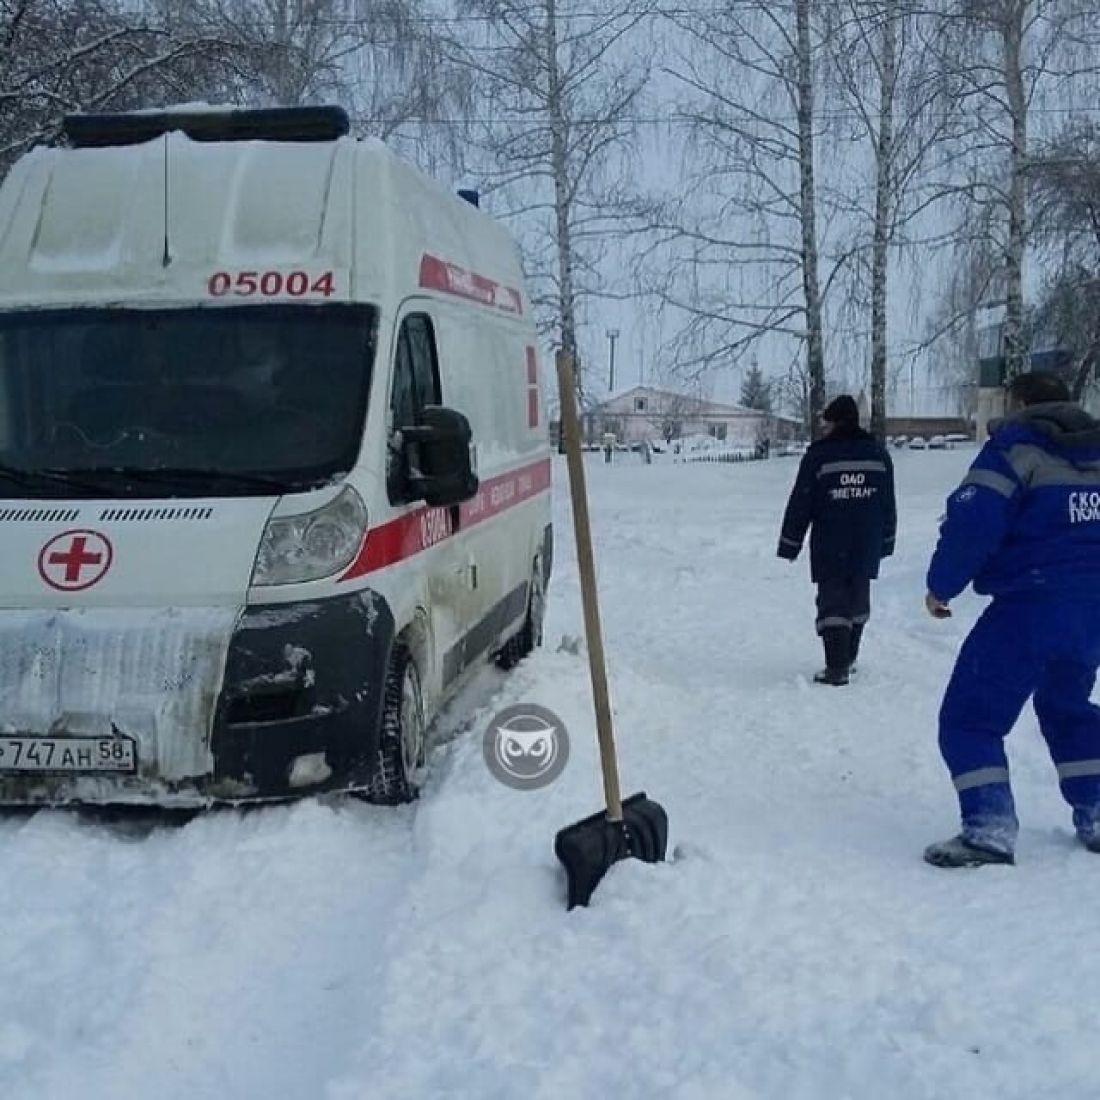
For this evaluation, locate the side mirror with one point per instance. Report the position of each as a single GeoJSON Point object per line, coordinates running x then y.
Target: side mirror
{"type": "Point", "coordinates": [441, 470]}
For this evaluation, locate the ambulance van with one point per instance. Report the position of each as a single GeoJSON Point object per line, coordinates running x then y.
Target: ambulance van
{"type": "Point", "coordinates": [274, 466]}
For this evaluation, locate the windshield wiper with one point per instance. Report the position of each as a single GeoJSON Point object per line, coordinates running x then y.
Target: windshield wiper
{"type": "Point", "coordinates": [189, 475]}
{"type": "Point", "coordinates": [65, 479]}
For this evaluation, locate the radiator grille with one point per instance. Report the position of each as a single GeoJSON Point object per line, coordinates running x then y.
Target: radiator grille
{"type": "Point", "coordinates": [39, 515]}
{"type": "Point", "coordinates": [153, 515]}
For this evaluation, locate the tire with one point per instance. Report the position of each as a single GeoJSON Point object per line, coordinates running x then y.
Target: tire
{"type": "Point", "coordinates": [524, 641]}
{"type": "Point", "coordinates": [401, 746]}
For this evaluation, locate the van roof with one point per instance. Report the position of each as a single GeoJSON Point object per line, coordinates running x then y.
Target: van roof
{"type": "Point", "coordinates": [165, 218]}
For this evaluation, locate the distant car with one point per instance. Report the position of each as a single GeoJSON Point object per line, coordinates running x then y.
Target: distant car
{"type": "Point", "coordinates": [937, 443]}
{"type": "Point", "coordinates": [917, 443]}
{"type": "Point", "coordinates": [900, 440]}
{"type": "Point", "coordinates": [955, 438]}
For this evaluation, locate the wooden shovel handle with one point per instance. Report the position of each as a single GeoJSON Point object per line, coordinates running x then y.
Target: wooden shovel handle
{"type": "Point", "coordinates": [587, 564]}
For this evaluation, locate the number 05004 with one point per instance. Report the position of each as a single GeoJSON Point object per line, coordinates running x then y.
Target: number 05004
{"type": "Point", "coordinates": [270, 284]}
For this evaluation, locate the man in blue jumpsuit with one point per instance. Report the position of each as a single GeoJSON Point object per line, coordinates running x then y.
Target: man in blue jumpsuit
{"type": "Point", "coordinates": [845, 492]}
{"type": "Point", "coordinates": [1024, 527]}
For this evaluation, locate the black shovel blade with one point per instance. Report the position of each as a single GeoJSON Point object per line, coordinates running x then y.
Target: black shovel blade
{"type": "Point", "coordinates": [588, 848]}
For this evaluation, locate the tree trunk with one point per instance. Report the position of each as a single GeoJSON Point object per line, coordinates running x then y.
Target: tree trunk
{"type": "Point", "coordinates": [1085, 367]}
{"type": "Point", "coordinates": [884, 161]}
{"type": "Point", "coordinates": [559, 163]}
{"type": "Point", "coordinates": [1083, 371]}
{"type": "Point", "coordinates": [815, 345]}
{"type": "Point", "coordinates": [1015, 338]}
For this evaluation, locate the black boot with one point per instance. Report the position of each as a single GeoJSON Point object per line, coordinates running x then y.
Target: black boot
{"type": "Point", "coordinates": [837, 641]}
{"type": "Point", "coordinates": [853, 648]}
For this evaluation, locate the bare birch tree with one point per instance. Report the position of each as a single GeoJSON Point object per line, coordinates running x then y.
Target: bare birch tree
{"type": "Point", "coordinates": [884, 74]}
{"type": "Point", "coordinates": [742, 250]}
{"type": "Point", "coordinates": [1006, 58]}
{"type": "Point", "coordinates": [885, 143]}
{"type": "Point", "coordinates": [562, 82]}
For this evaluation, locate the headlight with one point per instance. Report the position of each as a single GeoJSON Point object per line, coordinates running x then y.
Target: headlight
{"type": "Point", "coordinates": [311, 546]}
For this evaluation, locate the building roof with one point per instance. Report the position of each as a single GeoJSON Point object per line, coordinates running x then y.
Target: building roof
{"type": "Point", "coordinates": [685, 403]}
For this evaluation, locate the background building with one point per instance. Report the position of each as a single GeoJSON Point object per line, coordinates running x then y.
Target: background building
{"type": "Point", "coordinates": [644, 413]}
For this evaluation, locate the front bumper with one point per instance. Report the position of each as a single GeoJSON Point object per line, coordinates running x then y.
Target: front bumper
{"type": "Point", "coordinates": [302, 702]}
{"type": "Point", "coordinates": [241, 705]}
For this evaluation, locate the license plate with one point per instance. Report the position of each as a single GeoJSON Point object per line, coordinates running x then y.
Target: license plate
{"type": "Point", "coordinates": [62, 755]}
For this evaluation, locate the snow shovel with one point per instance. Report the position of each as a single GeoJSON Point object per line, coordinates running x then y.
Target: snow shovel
{"type": "Point", "coordinates": [632, 828]}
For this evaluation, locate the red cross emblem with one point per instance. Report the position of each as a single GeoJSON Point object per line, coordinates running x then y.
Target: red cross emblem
{"type": "Point", "coordinates": [75, 560]}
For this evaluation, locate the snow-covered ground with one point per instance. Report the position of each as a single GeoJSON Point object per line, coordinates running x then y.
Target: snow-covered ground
{"type": "Point", "coordinates": [795, 946]}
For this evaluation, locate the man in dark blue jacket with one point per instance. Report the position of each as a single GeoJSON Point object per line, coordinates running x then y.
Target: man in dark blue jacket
{"type": "Point", "coordinates": [845, 490]}
{"type": "Point", "coordinates": [1024, 528]}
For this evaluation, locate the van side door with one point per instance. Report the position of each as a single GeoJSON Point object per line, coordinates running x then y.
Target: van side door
{"type": "Point", "coordinates": [447, 573]}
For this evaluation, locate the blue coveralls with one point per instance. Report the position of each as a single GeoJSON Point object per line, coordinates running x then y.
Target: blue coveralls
{"type": "Point", "coordinates": [1024, 527]}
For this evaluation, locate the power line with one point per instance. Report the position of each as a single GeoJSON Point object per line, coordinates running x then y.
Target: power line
{"type": "Point", "coordinates": [531, 10]}
{"type": "Point", "coordinates": [434, 19]}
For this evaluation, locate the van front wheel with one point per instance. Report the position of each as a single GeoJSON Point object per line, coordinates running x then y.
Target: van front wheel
{"type": "Point", "coordinates": [401, 749]}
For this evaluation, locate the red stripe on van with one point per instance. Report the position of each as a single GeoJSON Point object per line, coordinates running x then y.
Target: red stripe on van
{"type": "Point", "coordinates": [437, 274]}
{"type": "Point", "coordinates": [423, 527]}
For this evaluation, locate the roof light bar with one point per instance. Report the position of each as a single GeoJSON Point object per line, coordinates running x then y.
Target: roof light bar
{"type": "Point", "coordinates": [325, 123]}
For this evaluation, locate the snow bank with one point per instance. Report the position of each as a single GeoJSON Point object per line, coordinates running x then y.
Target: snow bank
{"type": "Point", "coordinates": [795, 946]}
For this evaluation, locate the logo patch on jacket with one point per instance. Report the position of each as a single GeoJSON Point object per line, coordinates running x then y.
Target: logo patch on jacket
{"type": "Point", "coordinates": [1084, 507]}
{"type": "Point", "coordinates": [853, 487]}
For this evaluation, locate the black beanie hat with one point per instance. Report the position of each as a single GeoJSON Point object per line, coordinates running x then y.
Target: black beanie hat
{"type": "Point", "coordinates": [841, 410]}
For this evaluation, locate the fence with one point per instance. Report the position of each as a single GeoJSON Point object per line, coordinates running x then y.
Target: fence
{"type": "Point", "coordinates": [739, 455]}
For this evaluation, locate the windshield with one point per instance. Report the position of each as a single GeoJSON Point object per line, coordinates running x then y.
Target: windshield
{"type": "Point", "coordinates": [181, 402]}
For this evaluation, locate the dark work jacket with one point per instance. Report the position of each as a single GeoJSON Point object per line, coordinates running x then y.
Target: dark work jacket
{"type": "Point", "coordinates": [845, 491]}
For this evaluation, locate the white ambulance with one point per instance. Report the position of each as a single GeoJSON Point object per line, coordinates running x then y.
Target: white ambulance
{"type": "Point", "coordinates": [274, 466]}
